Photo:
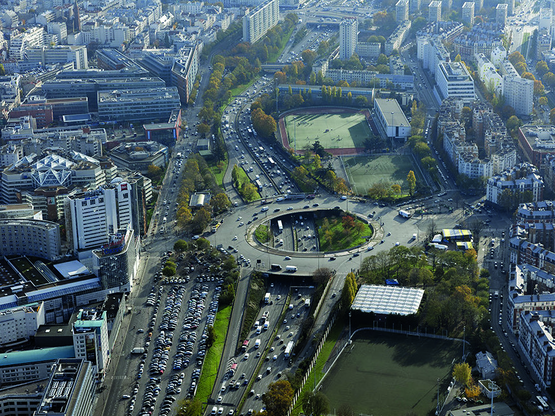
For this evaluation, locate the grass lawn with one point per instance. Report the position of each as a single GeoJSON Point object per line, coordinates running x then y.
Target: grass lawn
{"type": "Point", "coordinates": [262, 233]}
{"type": "Point", "coordinates": [333, 131]}
{"type": "Point", "coordinates": [401, 373]}
{"type": "Point", "coordinates": [341, 240]}
{"type": "Point", "coordinates": [316, 373]}
{"type": "Point", "coordinates": [214, 355]}
{"type": "Point", "coordinates": [524, 46]}
{"type": "Point", "coordinates": [217, 172]}
{"type": "Point", "coordinates": [365, 171]}
{"type": "Point", "coordinates": [244, 178]}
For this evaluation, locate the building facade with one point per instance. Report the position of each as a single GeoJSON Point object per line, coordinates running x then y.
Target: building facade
{"type": "Point", "coordinates": [348, 37]}
{"type": "Point", "coordinates": [261, 19]}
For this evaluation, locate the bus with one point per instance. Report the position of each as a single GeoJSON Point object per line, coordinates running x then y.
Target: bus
{"type": "Point", "coordinates": [258, 185]}
{"type": "Point", "coordinates": [245, 345]}
{"type": "Point", "coordinates": [542, 403]}
{"type": "Point", "coordinates": [288, 349]}
{"type": "Point", "coordinates": [280, 226]}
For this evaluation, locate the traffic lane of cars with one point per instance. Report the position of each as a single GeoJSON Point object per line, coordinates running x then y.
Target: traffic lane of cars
{"type": "Point", "coordinates": [275, 364]}
{"type": "Point", "coordinates": [233, 387]}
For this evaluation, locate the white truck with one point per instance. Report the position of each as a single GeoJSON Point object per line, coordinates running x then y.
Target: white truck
{"type": "Point", "coordinates": [267, 298]}
{"type": "Point", "coordinates": [291, 269]}
{"type": "Point", "coordinates": [257, 343]}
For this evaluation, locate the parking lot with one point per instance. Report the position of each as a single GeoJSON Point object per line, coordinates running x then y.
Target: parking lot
{"type": "Point", "coordinates": [170, 351]}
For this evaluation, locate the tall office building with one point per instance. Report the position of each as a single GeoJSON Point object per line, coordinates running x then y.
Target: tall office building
{"type": "Point", "coordinates": [434, 11]}
{"type": "Point", "coordinates": [402, 11]}
{"type": "Point", "coordinates": [478, 5]}
{"type": "Point", "coordinates": [519, 93]}
{"type": "Point", "coordinates": [468, 13]}
{"type": "Point", "coordinates": [90, 338]}
{"type": "Point", "coordinates": [348, 35]}
{"type": "Point", "coordinates": [93, 215]}
{"type": "Point", "coordinates": [258, 21]}
{"type": "Point", "coordinates": [501, 14]}
{"type": "Point", "coordinates": [511, 7]}
{"type": "Point", "coordinates": [414, 6]}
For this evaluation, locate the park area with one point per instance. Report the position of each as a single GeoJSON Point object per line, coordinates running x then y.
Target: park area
{"type": "Point", "coordinates": [365, 171]}
{"type": "Point", "coordinates": [390, 374]}
{"type": "Point", "coordinates": [333, 128]}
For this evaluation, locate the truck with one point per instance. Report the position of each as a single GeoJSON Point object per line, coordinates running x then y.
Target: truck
{"type": "Point", "coordinates": [291, 269]}
{"type": "Point", "coordinates": [275, 267]}
{"type": "Point", "coordinates": [266, 325]}
{"type": "Point", "coordinates": [288, 349]}
{"type": "Point", "coordinates": [257, 343]}
{"type": "Point", "coordinates": [405, 214]}
{"type": "Point", "coordinates": [267, 298]}
{"type": "Point", "coordinates": [138, 350]}
{"type": "Point", "coordinates": [245, 345]}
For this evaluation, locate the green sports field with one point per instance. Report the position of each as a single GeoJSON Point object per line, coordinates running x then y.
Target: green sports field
{"type": "Point", "coordinates": [333, 131]}
{"type": "Point", "coordinates": [365, 171]}
{"type": "Point", "coordinates": [390, 374]}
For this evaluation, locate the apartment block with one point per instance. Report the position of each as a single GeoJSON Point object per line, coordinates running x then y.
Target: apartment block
{"type": "Point", "coordinates": [261, 19]}
{"type": "Point", "coordinates": [402, 11]}
{"type": "Point", "coordinates": [522, 178]}
{"type": "Point", "coordinates": [454, 80]}
{"type": "Point", "coordinates": [348, 37]}
{"type": "Point", "coordinates": [468, 13]}
{"type": "Point", "coordinates": [434, 11]}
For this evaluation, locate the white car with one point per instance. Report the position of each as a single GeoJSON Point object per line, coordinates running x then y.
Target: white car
{"type": "Point", "coordinates": [234, 238]}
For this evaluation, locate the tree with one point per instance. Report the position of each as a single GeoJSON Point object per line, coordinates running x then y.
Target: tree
{"type": "Point", "coordinates": [308, 56]}
{"type": "Point", "coordinates": [168, 270]}
{"type": "Point", "coordinates": [513, 124]}
{"type": "Point", "coordinates": [549, 79]}
{"type": "Point", "coordinates": [411, 179]}
{"type": "Point", "coordinates": [461, 373]}
{"type": "Point", "coordinates": [542, 101]}
{"type": "Point", "coordinates": [516, 57]}
{"type": "Point", "coordinates": [552, 116]}
{"type": "Point", "coordinates": [190, 408]}
{"type": "Point", "coordinates": [211, 336]}
{"type": "Point", "coordinates": [184, 216]}
{"type": "Point", "coordinates": [202, 243]}
{"type": "Point", "coordinates": [180, 246]}
{"type": "Point", "coordinates": [345, 409]}
{"type": "Point", "coordinates": [542, 68]}
{"type": "Point", "coordinates": [278, 398]}
{"type": "Point", "coordinates": [396, 188]}
{"type": "Point", "coordinates": [2, 70]}
{"type": "Point", "coordinates": [203, 128]}
{"type": "Point", "coordinates": [428, 163]}
{"type": "Point", "coordinates": [220, 202]}
{"type": "Point", "coordinates": [315, 404]}
{"type": "Point", "coordinates": [349, 291]}
{"type": "Point", "coordinates": [528, 75]}
{"type": "Point", "coordinates": [154, 172]}
{"type": "Point", "coordinates": [538, 88]}
{"type": "Point", "coordinates": [201, 220]}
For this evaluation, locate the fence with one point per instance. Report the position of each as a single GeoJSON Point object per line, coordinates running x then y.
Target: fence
{"type": "Point", "coordinates": [311, 366]}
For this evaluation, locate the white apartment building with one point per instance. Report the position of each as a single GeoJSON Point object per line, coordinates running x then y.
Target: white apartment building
{"type": "Point", "coordinates": [59, 54]}
{"type": "Point", "coordinates": [398, 36]}
{"type": "Point", "coordinates": [59, 29]}
{"type": "Point", "coordinates": [468, 13]}
{"type": "Point", "coordinates": [348, 37]}
{"type": "Point", "coordinates": [431, 51]}
{"type": "Point", "coordinates": [545, 19]}
{"type": "Point", "coordinates": [261, 19]}
{"type": "Point", "coordinates": [402, 11]}
{"type": "Point", "coordinates": [488, 74]}
{"type": "Point", "coordinates": [414, 6]}
{"type": "Point", "coordinates": [473, 167]}
{"type": "Point", "coordinates": [91, 216]}
{"type": "Point", "coordinates": [19, 42]}
{"type": "Point", "coordinates": [434, 11]}
{"type": "Point", "coordinates": [501, 14]}
{"type": "Point", "coordinates": [20, 323]}
{"type": "Point", "coordinates": [454, 80]}
{"type": "Point", "coordinates": [519, 93]}
{"type": "Point", "coordinates": [10, 153]}
{"type": "Point", "coordinates": [498, 56]}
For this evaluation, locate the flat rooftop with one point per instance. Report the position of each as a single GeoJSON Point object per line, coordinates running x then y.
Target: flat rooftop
{"type": "Point", "coordinates": [388, 300]}
{"type": "Point", "coordinates": [392, 112]}
{"type": "Point", "coordinates": [540, 138]}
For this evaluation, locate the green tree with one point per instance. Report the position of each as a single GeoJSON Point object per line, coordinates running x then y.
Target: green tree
{"type": "Point", "coordinates": [180, 246]}
{"type": "Point", "coordinates": [552, 116]}
{"type": "Point", "coordinates": [538, 88]}
{"type": "Point", "coordinates": [2, 70]}
{"type": "Point", "coordinates": [220, 202]}
{"type": "Point", "coordinates": [154, 172]}
{"type": "Point", "coordinates": [382, 59]}
{"type": "Point", "coordinates": [168, 270]}
{"type": "Point", "coordinates": [513, 124]}
{"type": "Point", "coordinates": [184, 216]}
{"type": "Point", "coordinates": [542, 68]}
{"type": "Point", "coordinates": [315, 404]}
{"type": "Point", "coordinates": [461, 373]}
{"type": "Point", "coordinates": [190, 408]}
{"type": "Point", "coordinates": [201, 220]}
{"type": "Point", "coordinates": [203, 129]}
{"type": "Point", "coordinates": [211, 336]}
{"type": "Point", "coordinates": [278, 398]}
{"type": "Point", "coordinates": [411, 179]}
{"type": "Point", "coordinates": [202, 243]}
{"type": "Point", "coordinates": [429, 163]}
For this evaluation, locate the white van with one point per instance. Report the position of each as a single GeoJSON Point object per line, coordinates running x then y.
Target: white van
{"type": "Point", "coordinates": [291, 269]}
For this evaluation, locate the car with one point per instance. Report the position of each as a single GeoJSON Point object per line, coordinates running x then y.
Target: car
{"type": "Point", "coordinates": [289, 208]}
{"type": "Point", "coordinates": [246, 356]}
{"type": "Point", "coordinates": [316, 205]}
{"type": "Point", "coordinates": [396, 244]}
{"type": "Point", "coordinates": [287, 258]}
{"type": "Point", "coordinates": [234, 238]}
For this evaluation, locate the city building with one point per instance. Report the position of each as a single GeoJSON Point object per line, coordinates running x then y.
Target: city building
{"type": "Point", "coordinates": [468, 13]}
{"type": "Point", "coordinates": [184, 71]}
{"type": "Point", "coordinates": [165, 133]}
{"type": "Point", "coordinates": [545, 19]}
{"type": "Point", "coordinates": [510, 7]}
{"type": "Point", "coordinates": [537, 142]}
{"type": "Point", "coordinates": [71, 389]}
{"type": "Point", "coordinates": [543, 43]}
{"type": "Point", "coordinates": [398, 36]}
{"type": "Point", "coordinates": [116, 262]}
{"type": "Point", "coordinates": [23, 366]}
{"type": "Point", "coordinates": [391, 118]}
{"type": "Point", "coordinates": [454, 80]}
{"type": "Point", "coordinates": [402, 11]}
{"type": "Point", "coordinates": [10, 153]}
{"type": "Point", "coordinates": [519, 94]}
{"type": "Point", "coordinates": [19, 324]}
{"type": "Point", "coordinates": [20, 212]}
{"type": "Point", "coordinates": [414, 6]}
{"type": "Point", "coordinates": [488, 74]}
{"type": "Point", "coordinates": [92, 216]}
{"type": "Point", "coordinates": [434, 11]}
{"type": "Point", "coordinates": [33, 37]}
{"type": "Point", "coordinates": [259, 20]}
{"type": "Point", "coordinates": [138, 156]}
{"type": "Point", "coordinates": [36, 238]}
{"type": "Point", "coordinates": [45, 55]}
{"type": "Point", "coordinates": [137, 104]}
{"type": "Point", "coordinates": [521, 179]}
{"type": "Point", "coordinates": [482, 38]}
{"type": "Point", "coordinates": [90, 338]}
{"type": "Point", "coordinates": [501, 14]}
{"type": "Point", "coordinates": [348, 37]}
